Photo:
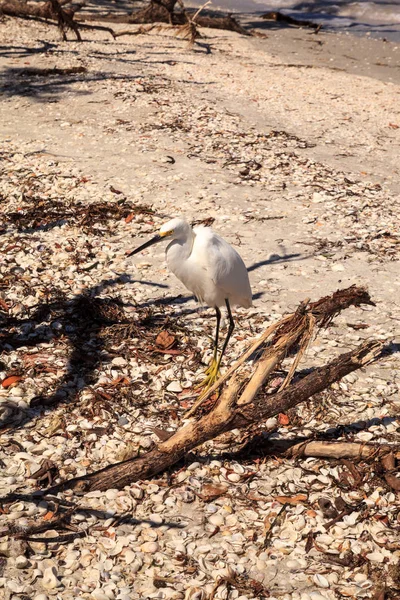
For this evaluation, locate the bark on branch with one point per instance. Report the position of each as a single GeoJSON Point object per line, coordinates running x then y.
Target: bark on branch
{"type": "Point", "coordinates": [231, 412]}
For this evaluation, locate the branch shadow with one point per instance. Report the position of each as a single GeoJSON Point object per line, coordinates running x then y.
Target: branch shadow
{"type": "Point", "coordinates": [277, 258]}
{"type": "Point", "coordinates": [23, 51]}
{"type": "Point", "coordinates": [63, 508]}
{"type": "Point", "coordinates": [261, 446]}
{"type": "Point", "coordinates": [48, 87]}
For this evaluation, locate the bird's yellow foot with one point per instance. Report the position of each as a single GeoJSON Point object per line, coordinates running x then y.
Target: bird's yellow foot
{"type": "Point", "coordinates": [212, 374]}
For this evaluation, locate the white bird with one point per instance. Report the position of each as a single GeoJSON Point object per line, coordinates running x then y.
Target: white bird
{"type": "Point", "coordinates": [211, 269]}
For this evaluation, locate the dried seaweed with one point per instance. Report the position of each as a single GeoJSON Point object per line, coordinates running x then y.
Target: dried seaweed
{"type": "Point", "coordinates": [44, 214]}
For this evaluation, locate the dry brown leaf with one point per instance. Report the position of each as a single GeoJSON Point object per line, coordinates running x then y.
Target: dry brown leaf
{"type": "Point", "coordinates": [48, 516]}
{"type": "Point", "coordinates": [3, 305]}
{"type": "Point", "coordinates": [393, 481]}
{"type": "Point", "coordinates": [283, 419]}
{"type": "Point", "coordinates": [291, 499]}
{"type": "Point", "coordinates": [119, 380]}
{"type": "Point", "coordinates": [165, 340]}
{"type": "Point", "coordinates": [10, 381]}
{"type": "Point", "coordinates": [211, 492]}
{"type": "Point", "coordinates": [161, 433]}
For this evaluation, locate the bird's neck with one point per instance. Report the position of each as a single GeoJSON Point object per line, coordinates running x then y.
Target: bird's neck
{"type": "Point", "coordinates": [178, 251]}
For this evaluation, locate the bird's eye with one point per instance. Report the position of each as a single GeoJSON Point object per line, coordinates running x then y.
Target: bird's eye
{"type": "Point", "coordinates": [166, 233]}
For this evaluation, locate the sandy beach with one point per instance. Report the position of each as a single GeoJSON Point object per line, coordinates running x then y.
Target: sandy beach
{"type": "Point", "coordinates": [290, 143]}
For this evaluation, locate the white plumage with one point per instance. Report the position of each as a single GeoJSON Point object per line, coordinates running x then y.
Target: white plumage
{"type": "Point", "coordinates": [207, 265]}
{"type": "Point", "coordinates": [211, 269]}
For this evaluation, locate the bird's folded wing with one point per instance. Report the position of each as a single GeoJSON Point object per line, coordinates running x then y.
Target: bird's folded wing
{"type": "Point", "coordinates": [223, 265]}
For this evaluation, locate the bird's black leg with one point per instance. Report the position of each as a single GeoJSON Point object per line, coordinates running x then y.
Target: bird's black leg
{"type": "Point", "coordinates": [231, 327]}
{"type": "Point", "coordinates": [218, 315]}
{"type": "Point", "coordinates": [211, 368]}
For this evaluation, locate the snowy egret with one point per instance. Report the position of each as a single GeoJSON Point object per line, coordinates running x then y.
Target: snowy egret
{"type": "Point", "coordinates": [211, 269]}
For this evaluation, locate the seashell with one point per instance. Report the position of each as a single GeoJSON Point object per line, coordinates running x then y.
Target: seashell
{"type": "Point", "coordinates": [149, 535]}
{"type": "Point", "coordinates": [129, 556]}
{"type": "Point", "coordinates": [149, 547]}
{"type": "Point", "coordinates": [376, 557]}
{"type": "Point", "coordinates": [21, 562]}
{"type": "Point", "coordinates": [238, 469]}
{"type": "Point", "coordinates": [216, 519]}
{"type": "Point", "coordinates": [106, 543]}
{"type": "Point", "coordinates": [50, 578]}
{"type": "Point", "coordinates": [321, 581]}
{"type": "Point", "coordinates": [136, 492]}
{"type": "Point", "coordinates": [98, 594]}
{"type": "Point", "coordinates": [111, 494]}
{"type": "Point", "coordinates": [195, 593]}
{"type": "Point", "coordinates": [231, 521]}
{"type": "Point", "coordinates": [136, 565]}
{"type": "Point", "coordinates": [174, 386]}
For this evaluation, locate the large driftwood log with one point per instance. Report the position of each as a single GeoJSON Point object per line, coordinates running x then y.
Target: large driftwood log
{"type": "Point", "coordinates": [52, 10]}
{"type": "Point", "coordinates": [163, 11]}
{"type": "Point", "coordinates": [43, 10]}
{"type": "Point", "coordinates": [234, 410]}
{"type": "Point", "coordinates": [157, 11]}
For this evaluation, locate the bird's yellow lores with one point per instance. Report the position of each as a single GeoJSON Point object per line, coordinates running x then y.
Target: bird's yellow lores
{"type": "Point", "coordinates": [211, 269]}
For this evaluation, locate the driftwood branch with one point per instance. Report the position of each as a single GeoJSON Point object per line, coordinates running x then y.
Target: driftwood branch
{"type": "Point", "coordinates": [239, 410]}
{"type": "Point", "coordinates": [334, 449]}
{"type": "Point", "coordinates": [295, 329]}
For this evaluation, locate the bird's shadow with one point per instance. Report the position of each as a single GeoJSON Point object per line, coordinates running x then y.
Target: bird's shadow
{"type": "Point", "coordinates": [78, 325]}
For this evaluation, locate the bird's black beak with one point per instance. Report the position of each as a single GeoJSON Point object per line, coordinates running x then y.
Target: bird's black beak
{"type": "Point", "coordinates": [154, 240]}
